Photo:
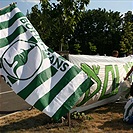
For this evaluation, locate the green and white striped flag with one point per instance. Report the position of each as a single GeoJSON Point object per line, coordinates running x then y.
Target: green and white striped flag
{"type": "Point", "coordinates": [37, 74]}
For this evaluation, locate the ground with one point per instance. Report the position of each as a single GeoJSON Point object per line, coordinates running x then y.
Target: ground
{"type": "Point", "coordinates": [104, 119]}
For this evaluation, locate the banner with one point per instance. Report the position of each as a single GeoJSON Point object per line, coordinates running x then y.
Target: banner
{"type": "Point", "coordinates": [37, 74]}
{"type": "Point", "coordinates": [108, 74]}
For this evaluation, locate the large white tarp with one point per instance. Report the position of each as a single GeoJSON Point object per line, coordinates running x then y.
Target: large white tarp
{"type": "Point", "coordinates": [107, 74]}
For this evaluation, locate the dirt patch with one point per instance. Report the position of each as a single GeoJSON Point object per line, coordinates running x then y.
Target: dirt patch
{"type": "Point", "coordinates": [105, 119]}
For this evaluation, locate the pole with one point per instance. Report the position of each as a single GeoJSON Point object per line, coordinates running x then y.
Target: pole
{"type": "Point", "coordinates": [69, 120]}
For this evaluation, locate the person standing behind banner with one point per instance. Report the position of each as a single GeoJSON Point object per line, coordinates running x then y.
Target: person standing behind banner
{"type": "Point", "coordinates": [115, 53]}
{"type": "Point", "coordinates": [128, 74]}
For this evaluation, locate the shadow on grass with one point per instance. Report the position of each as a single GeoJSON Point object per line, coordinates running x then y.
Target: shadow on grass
{"type": "Point", "coordinates": [115, 125]}
{"type": "Point", "coordinates": [43, 120]}
{"type": "Point", "coordinates": [112, 107]}
{"type": "Point", "coordinates": [30, 123]}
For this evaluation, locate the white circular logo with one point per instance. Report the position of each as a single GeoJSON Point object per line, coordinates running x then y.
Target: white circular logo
{"type": "Point", "coordinates": [22, 60]}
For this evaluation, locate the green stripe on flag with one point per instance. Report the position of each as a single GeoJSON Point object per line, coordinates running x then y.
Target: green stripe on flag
{"type": "Point", "coordinates": [47, 98]}
{"type": "Point", "coordinates": [8, 24]}
{"type": "Point", "coordinates": [72, 100]}
{"type": "Point", "coordinates": [6, 10]}
{"type": "Point", "coordinates": [6, 41]}
{"type": "Point", "coordinates": [32, 39]}
{"type": "Point", "coordinates": [37, 81]}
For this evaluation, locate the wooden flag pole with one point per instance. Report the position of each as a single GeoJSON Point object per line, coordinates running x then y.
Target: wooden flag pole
{"type": "Point", "coordinates": [69, 119]}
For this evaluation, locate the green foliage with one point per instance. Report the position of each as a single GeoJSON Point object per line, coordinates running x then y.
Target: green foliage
{"type": "Point", "coordinates": [80, 116]}
{"type": "Point", "coordinates": [126, 43]}
{"type": "Point", "coordinates": [66, 25]}
{"type": "Point", "coordinates": [92, 47]}
{"type": "Point", "coordinates": [57, 21]}
{"type": "Point", "coordinates": [76, 49]}
{"type": "Point", "coordinates": [98, 31]}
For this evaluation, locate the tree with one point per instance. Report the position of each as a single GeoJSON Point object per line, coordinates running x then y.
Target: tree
{"type": "Point", "coordinates": [66, 25]}
{"type": "Point", "coordinates": [126, 43]}
{"type": "Point", "coordinates": [57, 21]}
{"type": "Point", "coordinates": [100, 28]}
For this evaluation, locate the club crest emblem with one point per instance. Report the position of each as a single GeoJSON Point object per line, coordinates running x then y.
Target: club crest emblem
{"type": "Point", "coordinates": [22, 60]}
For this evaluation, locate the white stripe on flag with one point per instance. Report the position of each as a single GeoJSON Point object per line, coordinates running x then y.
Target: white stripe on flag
{"type": "Point", "coordinates": [47, 86]}
{"type": "Point", "coordinates": [21, 84]}
{"type": "Point", "coordinates": [8, 31]}
{"type": "Point", "coordinates": [23, 36]}
{"type": "Point", "coordinates": [9, 15]}
{"type": "Point", "coordinates": [64, 94]}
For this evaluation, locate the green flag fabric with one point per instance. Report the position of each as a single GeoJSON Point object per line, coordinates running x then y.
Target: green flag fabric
{"type": "Point", "coordinates": [37, 74]}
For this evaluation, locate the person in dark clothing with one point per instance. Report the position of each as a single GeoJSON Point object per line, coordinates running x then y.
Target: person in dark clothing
{"type": "Point", "coordinates": [128, 74]}
{"type": "Point", "coordinates": [128, 109]}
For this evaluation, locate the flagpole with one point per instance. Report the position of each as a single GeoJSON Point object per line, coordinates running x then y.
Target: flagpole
{"type": "Point", "coordinates": [69, 119]}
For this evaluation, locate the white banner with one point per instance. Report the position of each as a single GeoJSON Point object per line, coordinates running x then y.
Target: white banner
{"type": "Point", "coordinates": [107, 73]}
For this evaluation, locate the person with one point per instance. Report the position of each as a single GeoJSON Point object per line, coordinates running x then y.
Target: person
{"type": "Point", "coordinates": [128, 112]}
{"type": "Point", "coordinates": [128, 74]}
{"type": "Point", "coordinates": [115, 53]}
{"type": "Point", "coordinates": [128, 108]}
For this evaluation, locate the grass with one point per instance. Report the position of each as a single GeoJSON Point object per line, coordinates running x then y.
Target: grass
{"type": "Point", "coordinates": [105, 119]}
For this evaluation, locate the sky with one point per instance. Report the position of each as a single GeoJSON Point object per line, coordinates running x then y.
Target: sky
{"type": "Point", "coordinates": [122, 6]}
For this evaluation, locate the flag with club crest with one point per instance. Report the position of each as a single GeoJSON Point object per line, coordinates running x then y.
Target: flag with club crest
{"type": "Point", "coordinates": [37, 74]}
